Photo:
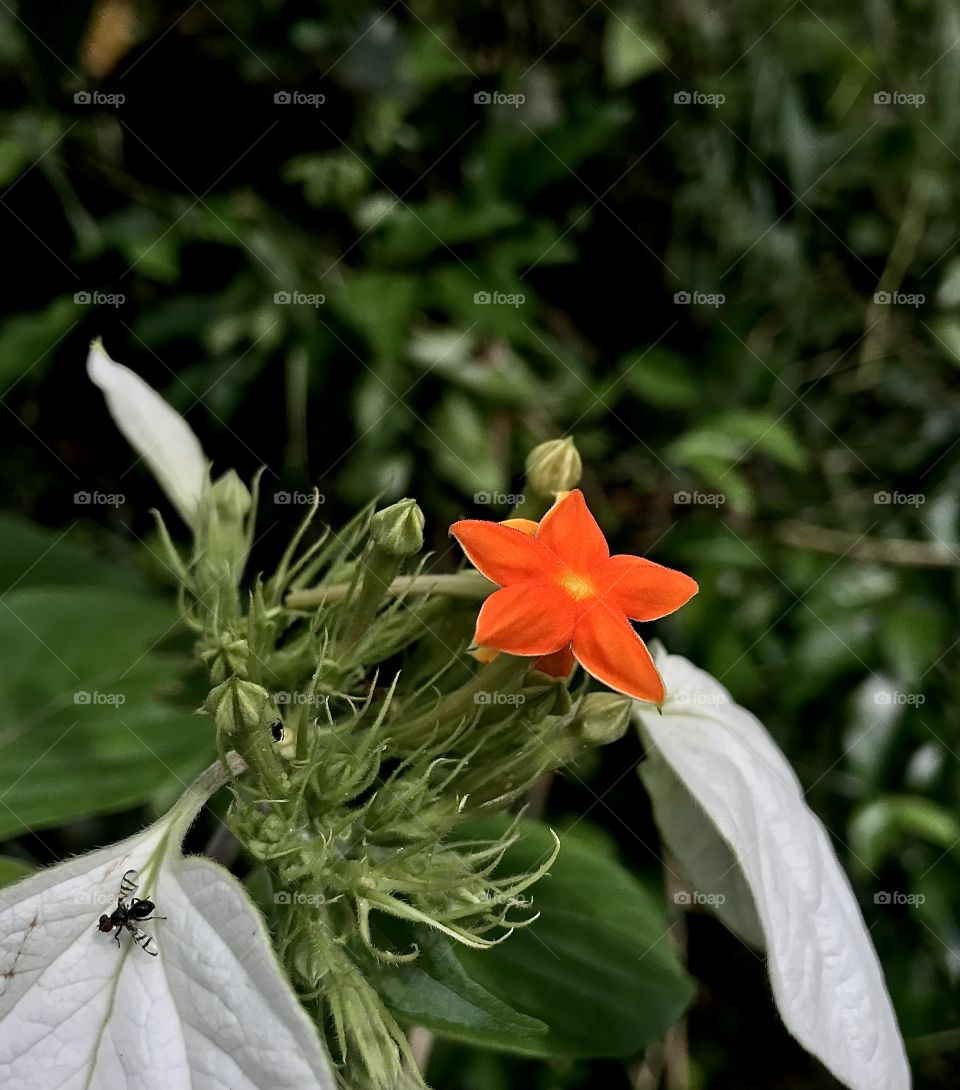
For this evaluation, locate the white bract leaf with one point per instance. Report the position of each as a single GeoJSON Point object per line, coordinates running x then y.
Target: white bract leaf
{"type": "Point", "coordinates": [212, 1011]}
{"type": "Point", "coordinates": [702, 854]}
{"type": "Point", "coordinates": [156, 431]}
{"type": "Point", "coordinates": [826, 979]}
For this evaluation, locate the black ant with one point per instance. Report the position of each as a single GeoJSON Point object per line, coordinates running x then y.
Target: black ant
{"type": "Point", "coordinates": [124, 914]}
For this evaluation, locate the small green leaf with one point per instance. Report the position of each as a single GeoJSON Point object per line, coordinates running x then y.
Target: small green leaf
{"type": "Point", "coordinates": [463, 450]}
{"type": "Point", "coordinates": [435, 991]}
{"type": "Point", "coordinates": [878, 827]}
{"type": "Point", "coordinates": [27, 340]}
{"type": "Point", "coordinates": [661, 378]}
{"type": "Point", "coordinates": [597, 966]}
{"type": "Point", "coordinates": [630, 50]}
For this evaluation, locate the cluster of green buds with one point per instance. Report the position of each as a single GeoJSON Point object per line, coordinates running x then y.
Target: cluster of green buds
{"type": "Point", "coordinates": [373, 742]}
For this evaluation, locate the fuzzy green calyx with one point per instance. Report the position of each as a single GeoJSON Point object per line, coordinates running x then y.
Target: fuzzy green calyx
{"type": "Point", "coordinates": [603, 717]}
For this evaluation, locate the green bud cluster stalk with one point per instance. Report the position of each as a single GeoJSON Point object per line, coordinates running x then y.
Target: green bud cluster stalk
{"type": "Point", "coordinates": [371, 739]}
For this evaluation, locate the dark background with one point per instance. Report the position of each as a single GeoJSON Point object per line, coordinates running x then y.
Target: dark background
{"type": "Point", "coordinates": [810, 425]}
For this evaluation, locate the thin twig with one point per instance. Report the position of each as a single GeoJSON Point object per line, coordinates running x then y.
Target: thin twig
{"type": "Point", "coordinates": [897, 551]}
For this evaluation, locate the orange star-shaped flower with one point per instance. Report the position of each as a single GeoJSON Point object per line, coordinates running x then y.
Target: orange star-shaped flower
{"type": "Point", "coordinates": [561, 588]}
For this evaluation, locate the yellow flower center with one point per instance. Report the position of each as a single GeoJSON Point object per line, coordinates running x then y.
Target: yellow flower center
{"type": "Point", "coordinates": [577, 586]}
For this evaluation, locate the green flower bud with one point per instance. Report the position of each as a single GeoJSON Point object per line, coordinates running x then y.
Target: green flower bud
{"type": "Point", "coordinates": [231, 497]}
{"type": "Point", "coordinates": [604, 717]}
{"type": "Point", "coordinates": [222, 537]}
{"type": "Point", "coordinates": [235, 704]}
{"type": "Point", "coordinates": [398, 529]}
{"type": "Point", "coordinates": [554, 466]}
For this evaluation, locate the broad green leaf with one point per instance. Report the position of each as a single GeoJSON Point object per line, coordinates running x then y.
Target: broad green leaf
{"type": "Point", "coordinates": [85, 730]}
{"type": "Point", "coordinates": [597, 966]}
{"type": "Point", "coordinates": [380, 306]}
{"type": "Point", "coordinates": [913, 636]}
{"type": "Point", "coordinates": [34, 556]}
{"type": "Point", "coordinates": [12, 870]}
{"type": "Point", "coordinates": [212, 1008]}
{"type": "Point", "coordinates": [435, 991]}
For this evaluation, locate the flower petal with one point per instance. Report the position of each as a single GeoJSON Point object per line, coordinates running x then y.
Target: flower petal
{"type": "Point", "coordinates": [571, 533]}
{"type": "Point", "coordinates": [525, 526]}
{"type": "Point", "coordinates": [643, 590]}
{"type": "Point", "coordinates": [607, 647]}
{"type": "Point", "coordinates": [503, 554]}
{"type": "Point", "coordinates": [156, 431]}
{"type": "Point", "coordinates": [559, 664]}
{"type": "Point", "coordinates": [526, 619]}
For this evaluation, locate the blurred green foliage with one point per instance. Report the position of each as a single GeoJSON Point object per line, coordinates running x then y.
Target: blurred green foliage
{"type": "Point", "coordinates": [774, 165]}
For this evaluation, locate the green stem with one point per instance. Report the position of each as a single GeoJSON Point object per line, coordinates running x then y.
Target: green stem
{"type": "Point", "coordinates": [504, 674]}
{"type": "Point", "coordinates": [465, 584]}
{"type": "Point", "coordinates": [380, 568]}
{"type": "Point", "coordinates": [254, 744]}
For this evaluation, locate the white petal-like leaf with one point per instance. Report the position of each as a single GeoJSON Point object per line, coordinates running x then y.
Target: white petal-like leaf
{"type": "Point", "coordinates": [156, 431]}
{"type": "Point", "coordinates": [702, 854]}
{"type": "Point", "coordinates": [826, 979]}
{"type": "Point", "coordinates": [212, 1011]}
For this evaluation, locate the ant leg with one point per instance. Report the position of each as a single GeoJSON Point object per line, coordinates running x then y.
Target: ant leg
{"type": "Point", "coordinates": [117, 935]}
